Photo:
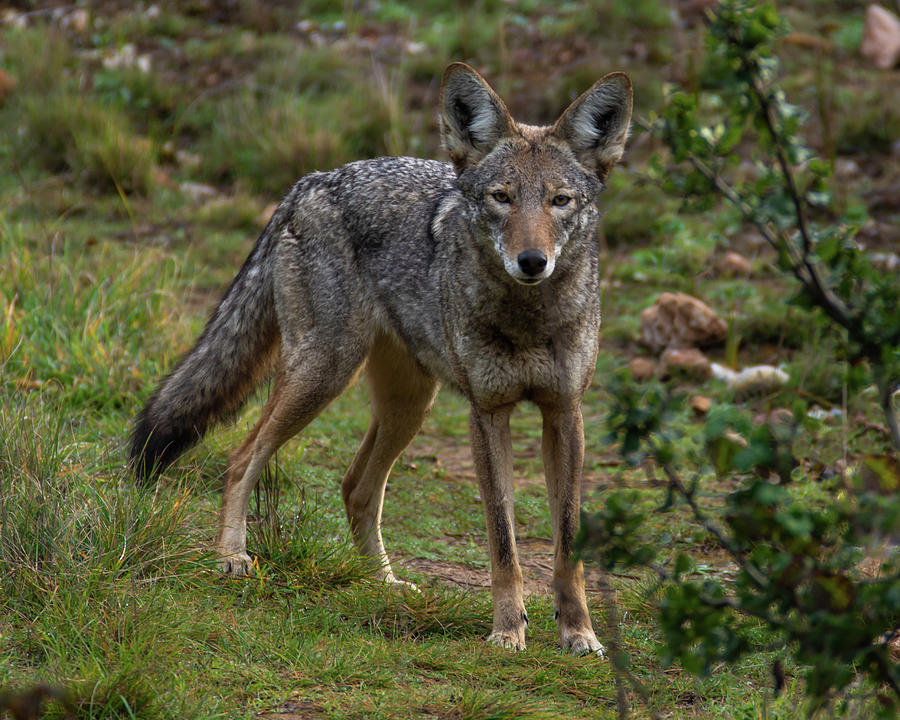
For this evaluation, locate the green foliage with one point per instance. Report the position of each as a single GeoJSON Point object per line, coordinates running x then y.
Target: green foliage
{"type": "Point", "coordinates": [742, 104]}
{"type": "Point", "coordinates": [639, 412]}
{"type": "Point", "coordinates": [94, 142]}
{"type": "Point", "coordinates": [798, 583]}
{"type": "Point", "coordinates": [798, 562]}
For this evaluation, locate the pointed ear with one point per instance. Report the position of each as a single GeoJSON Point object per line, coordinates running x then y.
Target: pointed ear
{"type": "Point", "coordinates": [473, 117]}
{"type": "Point", "coordinates": [596, 125]}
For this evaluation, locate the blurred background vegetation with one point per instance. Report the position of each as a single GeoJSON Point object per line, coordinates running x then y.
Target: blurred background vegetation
{"type": "Point", "coordinates": [142, 146]}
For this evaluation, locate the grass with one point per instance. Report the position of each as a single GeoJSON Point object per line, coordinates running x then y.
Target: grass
{"type": "Point", "coordinates": [111, 264]}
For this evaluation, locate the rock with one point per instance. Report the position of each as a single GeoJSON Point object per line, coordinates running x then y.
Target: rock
{"type": "Point", "coordinates": [759, 379]}
{"type": "Point", "coordinates": [736, 439]}
{"type": "Point", "coordinates": [7, 84]}
{"type": "Point", "coordinates": [701, 404]}
{"type": "Point", "coordinates": [79, 20]}
{"type": "Point", "coordinates": [723, 372]}
{"type": "Point", "coordinates": [678, 320]}
{"type": "Point", "coordinates": [881, 37]}
{"type": "Point", "coordinates": [642, 369]}
{"type": "Point", "coordinates": [734, 264]}
{"type": "Point", "coordinates": [689, 362]}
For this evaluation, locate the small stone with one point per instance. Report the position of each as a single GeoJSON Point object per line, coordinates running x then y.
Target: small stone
{"type": "Point", "coordinates": [736, 439]}
{"type": "Point", "coordinates": [701, 404]}
{"type": "Point", "coordinates": [734, 264]}
{"type": "Point", "coordinates": [881, 37]}
{"type": "Point", "coordinates": [79, 20]}
{"type": "Point", "coordinates": [642, 369]}
{"type": "Point", "coordinates": [723, 372]}
{"type": "Point", "coordinates": [759, 379]}
{"type": "Point", "coordinates": [689, 362]}
{"type": "Point", "coordinates": [678, 320]}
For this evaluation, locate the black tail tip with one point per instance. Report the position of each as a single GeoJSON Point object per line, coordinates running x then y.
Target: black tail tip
{"type": "Point", "coordinates": [145, 459]}
{"type": "Point", "coordinates": [153, 448]}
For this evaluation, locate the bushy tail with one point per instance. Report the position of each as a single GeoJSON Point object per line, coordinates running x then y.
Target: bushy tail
{"type": "Point", "coordinates": [210, 383]}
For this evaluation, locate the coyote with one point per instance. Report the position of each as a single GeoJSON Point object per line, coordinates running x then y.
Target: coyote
{"type": "Point", "coordinates": [481, 275]}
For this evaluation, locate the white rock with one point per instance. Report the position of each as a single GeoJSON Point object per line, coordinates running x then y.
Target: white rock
{"type": "Point", "coordinates": [881, 37]}
{"type": "Point", "coordinates": [723, 372]}
{"type": "Point", "coordinates": [759, 379]}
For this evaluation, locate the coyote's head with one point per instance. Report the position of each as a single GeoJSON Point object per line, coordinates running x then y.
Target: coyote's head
{"type": "Point", "coordinates": [530, 188]}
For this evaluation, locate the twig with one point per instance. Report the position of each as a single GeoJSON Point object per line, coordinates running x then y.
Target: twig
{"type": "Point", "coordinates": [827, 299]}
{"type": "Point", "coordinates": [726, 544]}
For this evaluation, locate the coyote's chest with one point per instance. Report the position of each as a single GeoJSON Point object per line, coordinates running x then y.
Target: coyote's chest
{"type": "Point", "coordinates": [497, 364]}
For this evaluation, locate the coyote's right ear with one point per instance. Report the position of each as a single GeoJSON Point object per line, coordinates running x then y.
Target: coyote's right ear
{"type": "Point", "coordinates": [473, 117]}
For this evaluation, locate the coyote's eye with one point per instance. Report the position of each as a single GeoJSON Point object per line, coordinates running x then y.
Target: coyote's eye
{"type": "Point", "coordinates": [561, 200]}
{"type": "Point", "coordinates": [500, 197]}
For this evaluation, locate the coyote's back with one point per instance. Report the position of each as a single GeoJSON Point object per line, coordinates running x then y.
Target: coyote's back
{"type": "Point", "coordinates": [480, 274]}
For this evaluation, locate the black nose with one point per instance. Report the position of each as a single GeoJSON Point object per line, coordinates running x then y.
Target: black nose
{"type": "Point", "coordinates": [532, 261]}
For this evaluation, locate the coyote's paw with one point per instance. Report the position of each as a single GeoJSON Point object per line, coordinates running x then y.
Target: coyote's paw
{"type": "Point", "coordinates": [391, 579]}
{"type": "Point", "coordinates": [511, 639]}
{"type": "Point", "coordinates": [403, 585]}
{"type": "Point", "coordinates": [508, 640]}
{"type": "Point", "coordinates": [581, 642]}
{"type": "Point", "coordinates": [236, 564]}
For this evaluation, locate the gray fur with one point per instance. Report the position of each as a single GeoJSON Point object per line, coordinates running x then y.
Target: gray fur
{"type": "Point", "coordinates": [416, 265]}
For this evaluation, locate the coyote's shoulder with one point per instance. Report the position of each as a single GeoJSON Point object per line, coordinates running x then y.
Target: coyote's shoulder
{"type": "Point", "coordinates": [481, 274]}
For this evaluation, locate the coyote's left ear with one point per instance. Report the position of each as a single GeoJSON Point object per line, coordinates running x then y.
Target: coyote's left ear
{"type": "Point", "coordinates": [596, 125]}
{"type": "Point", "coordinates": [473, 117]}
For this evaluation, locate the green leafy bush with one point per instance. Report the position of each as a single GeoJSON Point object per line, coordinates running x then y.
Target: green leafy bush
{"type": "Point", "coordinates": [801, 586]}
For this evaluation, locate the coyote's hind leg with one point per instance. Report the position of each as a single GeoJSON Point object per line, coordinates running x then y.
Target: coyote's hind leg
{"type": "Point", "coordinates": [306, 382]}
{"type": "Point", "coordinates": [402, 393]}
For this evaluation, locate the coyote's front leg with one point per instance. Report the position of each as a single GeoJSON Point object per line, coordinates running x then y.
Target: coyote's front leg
{"type": "Point", "coordinates": [563, 451]}
{"type": "Point", "coordinates": [492, 452]}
